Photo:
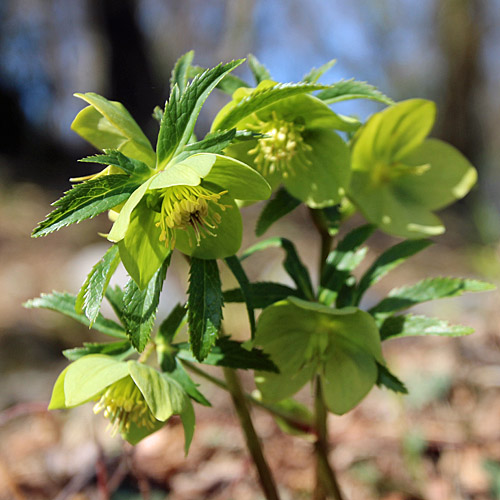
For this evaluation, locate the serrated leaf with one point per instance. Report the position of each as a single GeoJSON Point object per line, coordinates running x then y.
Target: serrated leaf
{"type": "Point", "coordinates": [282, 204]}
{"type": "Point", "coordinates": [89, 298]}
{"type": "Point", "coordinates": [180, 73]}
{"type": "Point", "coordinates": [425, 290]}
{"type": "Point", "coordinates": [204, 306]}
{"type": "Point", "coordinates": [342, 261]}
{"type": "Point", "coordinates": [260, 99]}
{"type": "Point", "coordinates": [182, 111]}
{"type": "Point", "coordinates": [118, 350]}
{"type": "Point", "coordinates": [352, 89]}
{"type": "Point", "coordinates": [186, 382]}
{"type": "Point", "coordinates": [85, 201]}
{"type": "Point", "coordinates": [115, 298]}
{"type": "Point", "coordinates": [245, 288]}
{"type": "Point", "coordinates": [259, 71]}
{"type": "Point", "coordinates": [140, 307]}
{"type": "Point", "coordinates": [229, 84]}
{"type": "Point", "coordinates": [231, 354]}
{"type": "Point", "coordinates": [387, 379]}
{"type": "Point", "coordinates": [130, 166]}
{"type": "Point", "coordinates": [292, 264]}
{"type": "Point", "coordinates": [410, 325]}
{"type": "Point", "coordinates": [314, 75]}
{"type": "Point", "coordinates": [64, 303]}
{"type": "Point", "coordinates": [262, 294]}
{"type": "Point", "coordinates": [215, 142]}
{"type": "Point", "coordinates": [389, 260]}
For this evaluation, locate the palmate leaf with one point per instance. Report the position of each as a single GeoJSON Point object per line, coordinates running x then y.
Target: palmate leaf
{"type": "Point", "coordinates": [64, 303]}
{"type": "Point", "coordinates": [352, 89]}
{"type": "Point", "coordinates": [259, 71]}
{"type": "Point", "coordinates": [140, 307]}
{"type": "Point", "coordinates": [130, 166]}
{"type": "Point", "coordinates": [262, 294]}
{"type": "Point", "coordinates": [425, 290]}
{"type": "Point", "coordinates": [411, 325]}
{"type": "Point", "coordinates": [92, 292]}
{"type": "Point", "coordinates": [292, 264]}
{"type": "Point", "coordinates": [231, 354]}
{"type": "Point", "coordinates": [183, 109]}
{"type": "Point", "coordinates": [204, 306]}
{"type": "Point", "coordinates": [282, 204]}
{"type": "Point", "coordinates": [86, 200]}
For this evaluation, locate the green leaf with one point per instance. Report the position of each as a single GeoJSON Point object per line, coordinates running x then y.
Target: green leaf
{"type": "Point", "coordinates": [245, 288]}
{"type": "Point", "coordinates": [87, 377]}
{"type": "Point", "coordinates": [425, 290]}
{"type": "Point", "coordinates": [204, 306]}
{"type": "Point", "coordinates": [186, 382]}
{"type": "Point", "coordinates": [85, 201]}
{"type": "Point", "coordinates": [182, 111]}
{"type": "Point", "coordinates": [90, 296]}
{"type": "Point", "coordinates": [352, 89]}
{"type": "Point", "coordinates": [282, 204]}
{"type": "Point", "coordinates": [130, 166]}
{"type": "Point", "coordinates": [212, 143]}
{"type": "Point", "coordinates": [259, 71]}
{"type": "Point", "coordinates": [141, 250]}
{"type": "Point", "coordinates": [387, 379]}
{"type": "Point", "coordinates": [292, 264]}
{"type": "Point", "coordinates": [389, 260]}
{"type": "Point", "coordinates": [231, 354]}
{"type": "Point", "coordinates": [180, 73]}
{"type": "Point", "coordinates": [118, 350]}
{"type": "Point", "coordinates": [165, 336]}
{"type": "Point", "coordinates": [262, 294]}
{"type": "Point", "coordinates": [342, 261]}
{"type": "Point", "coordinates": [115, 298]}
{"type": "Point", "coordinates": [108, 125]}
{"type": "Point", "coordinates": [163, 395]}
{"type": "Point", "coordinates": [314, 75]}
{"type": "Point", "coordinates": [229, 84]}
{"type": "Point", "coordinates": [410, 325]}
{"type": "Point", "coordinates": [65, 303]}
{"type": "Point", "coordinates": [259, 98]}
{"type": "Point", "coordinates": [140, 307]}
{"type": "Point", "coordinates": [188, 419]}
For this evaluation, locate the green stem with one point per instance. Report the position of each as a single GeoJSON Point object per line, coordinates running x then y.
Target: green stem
{"type": "Point", "coordinates": [326, 238]}
{"type": "Point", "coordinates": [295, 422]}
{"type": "Point", "coordinates": [326, 482]}
{"type": "Point", "coordinates": [252, 440]}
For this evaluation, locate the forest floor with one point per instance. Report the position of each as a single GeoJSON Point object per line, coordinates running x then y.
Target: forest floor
{"type": "Point", "coordinates": [441, 442]}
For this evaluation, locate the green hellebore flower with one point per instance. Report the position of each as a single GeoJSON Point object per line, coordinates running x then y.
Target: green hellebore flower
{"type": "Point", "coordinates": [399, 177]}
{"type": "Point", "coordinates": [305, 339]}
{"type": "Point", "coordinates": [136, 398]}
{"type": "Point", "coordinates": [299, 147]}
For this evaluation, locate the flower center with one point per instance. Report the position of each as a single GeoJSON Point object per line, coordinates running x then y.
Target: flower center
{"type": "Point", "coordinates": [185, 207]}
{"type": "Point", "coordinates": [283, 141]}
{"type": "Point", "coordinates": [124, 403]}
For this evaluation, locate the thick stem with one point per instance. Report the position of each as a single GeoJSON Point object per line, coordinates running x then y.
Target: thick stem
{"type": "Point", "coordinates": [326, 238]}
{"type": "Point", "coordinates": [252, 440]}
{"type": "Point", "coordinates": [326, 482]}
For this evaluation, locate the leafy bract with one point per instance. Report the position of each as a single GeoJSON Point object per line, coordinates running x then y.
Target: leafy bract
{"type": "Point", "coordinates": [108, 125]}
{"type": "Point", "coordinates": [303, 338]}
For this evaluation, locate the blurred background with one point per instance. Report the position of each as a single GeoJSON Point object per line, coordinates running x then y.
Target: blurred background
{"type": "Point", "coordinates": [442, 441]}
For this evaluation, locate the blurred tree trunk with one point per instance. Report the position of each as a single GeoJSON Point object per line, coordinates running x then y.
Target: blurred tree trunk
{"type": "Point", "coordinates": [461, 28]}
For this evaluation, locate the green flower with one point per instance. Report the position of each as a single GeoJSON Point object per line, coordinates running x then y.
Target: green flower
{"type": "Point", "coordinates": [299, 147]}
{"type": "Point", "coordinates": [135, 398]}
{"type": "Point", "coordinates": [305, 339]}
{"type": "Point", "coordinates": [399, 177]}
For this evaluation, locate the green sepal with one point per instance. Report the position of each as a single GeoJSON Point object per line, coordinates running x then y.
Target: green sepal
{"type": "Point", "coordinates": [204, 306]}
{"type": "Point", "coordinates": [108, 125]}
{"type": "Point", "coordinates": [140, 307]}
{"type": "Point", "coordinates": [231, 354]}
{"type": "Point", "coordinates": [352, 89]}
{"type": "Point", "coordinates": [89, 298]}
{"type": "Point", "coordinates": [282, 204]}
{"type": "Point", "coordinates": [85, 201]}
{"type": "Point", "coordinates": [261, 294]}
{"type": "Point", "coordinates": [411, 325]}
{"type": "Point", "coordinates": [58, 398]}
{"type": "Point", "coordinates": [65, 303]}
{"type": "Point", "coordinates": [119, 350]}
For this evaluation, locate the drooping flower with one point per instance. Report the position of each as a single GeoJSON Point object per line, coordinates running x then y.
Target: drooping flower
{"type": "Point", "coordinates": [298, 147]}
{"type": "Point", "coordinates": [305, 339]}
{"type": "Point", "coordinates": [134, 397]}
{"type": "Point", "coordinates": [399, 177]}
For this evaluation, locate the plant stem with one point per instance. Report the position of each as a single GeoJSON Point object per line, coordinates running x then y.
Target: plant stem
{"type": "Point", "coordinates": [252, 440]}
{"type": "Point", "coordinates": [326, 238]}
{"type": "Point", "coordinates": [326, 482]}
